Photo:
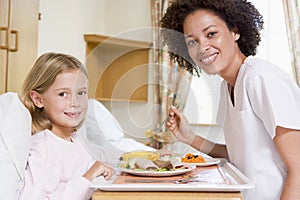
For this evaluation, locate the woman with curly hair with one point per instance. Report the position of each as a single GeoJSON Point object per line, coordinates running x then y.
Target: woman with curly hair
{"type": "Point", "coordinates": [259, 107]}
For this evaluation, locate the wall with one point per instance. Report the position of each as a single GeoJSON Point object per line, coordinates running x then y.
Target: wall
{"type": "Point", "coordinates": [123, 17]}
{"type": "Point", "coordinates": [63, 24]}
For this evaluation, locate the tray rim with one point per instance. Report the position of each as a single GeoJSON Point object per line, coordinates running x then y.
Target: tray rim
{"type": "Point", "coordinates": [242, 183]}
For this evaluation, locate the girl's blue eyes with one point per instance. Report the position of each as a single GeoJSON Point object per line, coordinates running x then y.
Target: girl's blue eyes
{"type": "Point", "coordinates": [63, 94]}
{"type": "Point", "coordinates": [82, 93]}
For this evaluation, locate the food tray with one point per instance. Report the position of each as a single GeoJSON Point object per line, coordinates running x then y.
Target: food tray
{"type": "Point", "coordinates": [221, 177]}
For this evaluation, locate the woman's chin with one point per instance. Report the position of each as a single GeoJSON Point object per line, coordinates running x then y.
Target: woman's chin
{"type": "Point", "coordinates": [211, 70]}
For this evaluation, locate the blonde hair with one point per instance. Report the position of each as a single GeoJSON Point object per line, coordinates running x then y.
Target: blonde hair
{"type": "Point", "coordinates": [40, 78]}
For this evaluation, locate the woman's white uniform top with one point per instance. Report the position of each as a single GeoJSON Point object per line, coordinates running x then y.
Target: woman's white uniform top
{"type": "Point", "coordinates": [265, 97]}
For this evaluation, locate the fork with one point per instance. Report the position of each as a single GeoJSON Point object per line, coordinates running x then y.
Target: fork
{"type": "Point", "coordinates": [159, 129]}
{"type": "Point", "coordinates": [177, 181]}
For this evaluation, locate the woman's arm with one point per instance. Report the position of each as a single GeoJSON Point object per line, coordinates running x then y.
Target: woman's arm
{"type": "Point", "coordinates": [180, 128]}
{"type": "Point", "coordinates": [208, 147]}
{"type": "Point", "coordinates": [287, 141]}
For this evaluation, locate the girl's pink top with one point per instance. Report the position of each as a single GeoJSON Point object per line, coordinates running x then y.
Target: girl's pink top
{"type": "Point", "coordinates": [55, 168]}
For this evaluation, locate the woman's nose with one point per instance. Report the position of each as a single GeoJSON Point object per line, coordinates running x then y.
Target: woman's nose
{"type": "Point", "coordinates": [203, 46]}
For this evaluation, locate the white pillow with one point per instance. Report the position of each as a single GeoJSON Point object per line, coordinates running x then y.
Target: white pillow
{"type": "Point", "coordinates": [103, 136]}
{"type": "Point", "coordinates": [106, 123]}
{"type": "Point", "coordinates": [15, 134]}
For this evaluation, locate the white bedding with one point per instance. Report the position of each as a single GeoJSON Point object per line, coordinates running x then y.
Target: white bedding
{"type": "Point", "coordinates": [104, 137]}
{"type": "Point", "coordinates": [15, 133]}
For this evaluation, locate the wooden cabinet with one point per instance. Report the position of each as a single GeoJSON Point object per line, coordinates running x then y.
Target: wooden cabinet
{"type": "Point", "coordinates": [18, 41]}
{"type": "Point", "coordinates": [117, 68]}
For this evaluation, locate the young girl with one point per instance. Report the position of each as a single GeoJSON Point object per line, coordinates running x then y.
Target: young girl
{"type": "Point", "coordinates": [259, 108]}
{"type": "Point", "coordinates": [59, 167]}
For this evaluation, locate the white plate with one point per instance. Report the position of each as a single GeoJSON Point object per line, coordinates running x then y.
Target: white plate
{"type": "Point", "coordinates": [158, 173]}
{"type": "Point", "coordinates": [208, 162]}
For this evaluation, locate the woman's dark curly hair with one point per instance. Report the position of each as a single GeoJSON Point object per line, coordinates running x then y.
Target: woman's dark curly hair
{"type": "Point", "coordinates": [239, 15]}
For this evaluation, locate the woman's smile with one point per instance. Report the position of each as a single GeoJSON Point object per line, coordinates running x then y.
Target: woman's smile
{"type": "Point", "coordinates": [208, 60]}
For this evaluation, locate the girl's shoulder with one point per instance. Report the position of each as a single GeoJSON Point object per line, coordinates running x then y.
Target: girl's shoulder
{"type": "Point", "coordinates": [40, 145]}
{"type": "Point", "coordinates": [40, 136]}
{"type": "Point", "coordinates": [41, 139]}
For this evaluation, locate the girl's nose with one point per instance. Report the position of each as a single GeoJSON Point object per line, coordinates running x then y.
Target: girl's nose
{"type": "Point", "coordinates": [74, 101]}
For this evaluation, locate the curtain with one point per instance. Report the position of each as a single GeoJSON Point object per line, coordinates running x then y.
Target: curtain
{"type": "Point", "coordinates": [172, 83]}
{"type": "Point", "coordinates": [292, 18]}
